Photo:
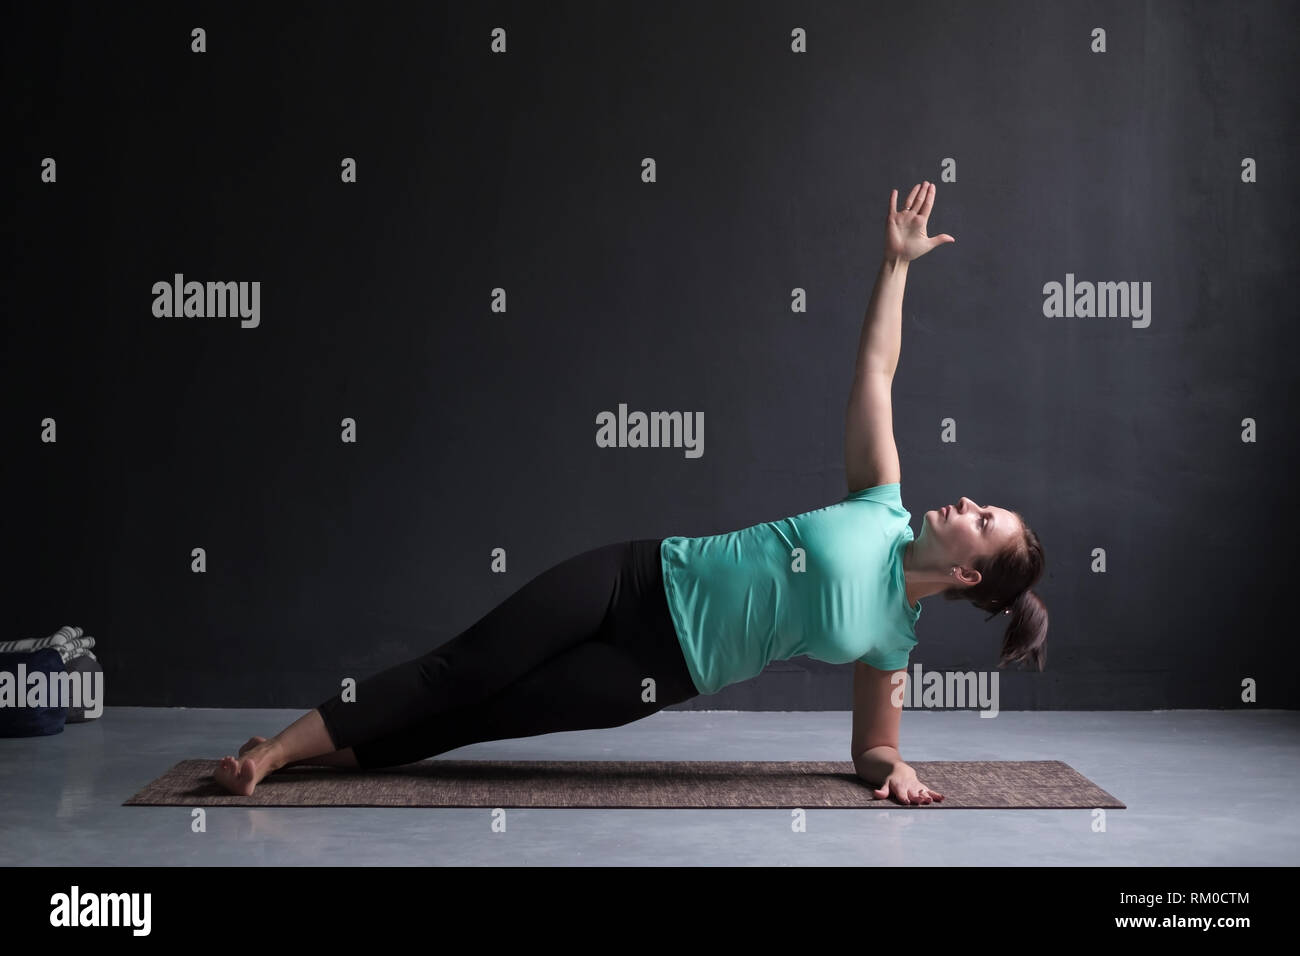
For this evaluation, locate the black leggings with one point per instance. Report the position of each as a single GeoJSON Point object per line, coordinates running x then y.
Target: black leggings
{"type": "Point", "coordinates": [570, 650]}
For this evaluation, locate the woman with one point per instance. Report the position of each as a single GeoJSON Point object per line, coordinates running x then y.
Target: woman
{"type": "Point", "coordinates": [622, 631]}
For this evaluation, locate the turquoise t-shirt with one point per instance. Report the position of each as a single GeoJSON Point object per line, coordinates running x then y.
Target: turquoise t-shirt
{"type": "Point", "coordinates": [826, 583]}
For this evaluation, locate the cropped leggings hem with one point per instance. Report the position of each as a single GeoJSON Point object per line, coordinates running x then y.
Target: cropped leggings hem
{"type": "Point", "coordinates": [586, 644]}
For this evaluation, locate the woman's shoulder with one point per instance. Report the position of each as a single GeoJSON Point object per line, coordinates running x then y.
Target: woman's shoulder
{"type": "Point", "coordinates": [890, 494]}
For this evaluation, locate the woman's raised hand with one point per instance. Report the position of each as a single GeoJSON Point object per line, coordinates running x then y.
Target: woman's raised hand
{"type": "Point", "coordinates": [905, 236]}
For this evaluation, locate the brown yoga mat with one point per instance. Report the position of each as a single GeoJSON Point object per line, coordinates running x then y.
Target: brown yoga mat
{"type": "Point", "coordinates": [641, 784]}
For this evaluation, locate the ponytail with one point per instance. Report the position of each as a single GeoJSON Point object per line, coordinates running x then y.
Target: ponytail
{"type": "Point", "coordinates": [1025, 640]}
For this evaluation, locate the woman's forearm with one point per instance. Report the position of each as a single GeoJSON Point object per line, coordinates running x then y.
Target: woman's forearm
{"type": "Point", "coordinates": [876, 764]}
{"type": "Point", "coordinates": [882, 328]}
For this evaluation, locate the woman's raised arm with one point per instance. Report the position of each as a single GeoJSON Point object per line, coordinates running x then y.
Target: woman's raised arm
{"type": "Point", "coordinates": [870, 454]}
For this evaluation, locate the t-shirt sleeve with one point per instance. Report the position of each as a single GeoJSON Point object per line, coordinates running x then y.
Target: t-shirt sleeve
{"type": "Point", "coordinates": [886, 660]}
{"type": "Point", "coordinates": [890, 494]}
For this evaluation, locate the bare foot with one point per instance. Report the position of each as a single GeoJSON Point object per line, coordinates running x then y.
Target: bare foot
{"type": "Point", "coordinates": [242, 774]}
{"type": "Point", "coordinates": [252, 742]}
{"type": "Point", "coordinates": [239, 776]}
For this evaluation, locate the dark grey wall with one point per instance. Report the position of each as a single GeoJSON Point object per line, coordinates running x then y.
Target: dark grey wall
{"type": "Point", "coordinates": [522, 170]}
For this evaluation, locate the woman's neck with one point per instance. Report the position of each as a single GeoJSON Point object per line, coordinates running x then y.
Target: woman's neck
{"type": "Point", "coordinates": [921, 582]}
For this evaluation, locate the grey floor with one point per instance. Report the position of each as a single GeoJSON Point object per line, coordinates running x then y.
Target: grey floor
{"type": "Point", "coordinates": [1202, 788]}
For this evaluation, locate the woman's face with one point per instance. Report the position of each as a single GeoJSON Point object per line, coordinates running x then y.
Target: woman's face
{"type": "Point", "coordinates": [958, 534]}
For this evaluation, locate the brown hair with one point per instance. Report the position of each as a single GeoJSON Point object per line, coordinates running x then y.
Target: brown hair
{"type": "Point", "coordinates": [1006, 585]}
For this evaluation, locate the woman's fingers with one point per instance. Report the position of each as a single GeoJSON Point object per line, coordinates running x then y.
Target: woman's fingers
{"type": "Point", "coordinates": [907, 793]}
{"type": "Point", "coordinates": [917, 793]}
{"type": "Point", "coordinates": [931, 793]}
{"type": "Point", "coordinates": [911, 197]}
{"type": "Point", "coordinates": [927, 201]}
{"type": "Point", "coordinates": [919, 201]}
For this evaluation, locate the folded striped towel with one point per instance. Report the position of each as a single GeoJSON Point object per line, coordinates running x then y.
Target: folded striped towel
{"type": "Point", "coordinates": [70, 642]}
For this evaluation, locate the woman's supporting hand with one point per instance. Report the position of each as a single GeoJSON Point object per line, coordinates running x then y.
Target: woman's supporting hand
{"type": "Point", "coordinates": [905, 236]}
{"type": "Point", "coordinates": [902, 785]}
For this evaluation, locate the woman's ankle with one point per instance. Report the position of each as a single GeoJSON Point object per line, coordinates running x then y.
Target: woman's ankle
{"type": "Point", "coordinates": [269, 756]}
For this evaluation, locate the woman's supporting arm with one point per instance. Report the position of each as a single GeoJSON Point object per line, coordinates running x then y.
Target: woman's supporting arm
{"type": "Point", "coordinates": [877, 711]}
